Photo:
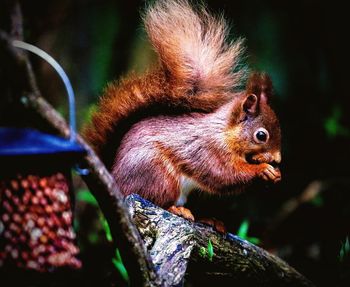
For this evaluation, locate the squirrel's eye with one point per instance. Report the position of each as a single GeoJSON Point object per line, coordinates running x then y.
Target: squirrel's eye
{"type": "Point", "coordinates": [261, 135]}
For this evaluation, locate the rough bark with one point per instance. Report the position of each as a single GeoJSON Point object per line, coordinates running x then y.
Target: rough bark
{"type": "Point", "coordinates": [178, 246]}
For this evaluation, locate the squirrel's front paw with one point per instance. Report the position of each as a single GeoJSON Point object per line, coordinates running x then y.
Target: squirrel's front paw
{"type": "Point", "coordinates": [269, 173]}
{"type": "Point", "coordinates": [181, 211]}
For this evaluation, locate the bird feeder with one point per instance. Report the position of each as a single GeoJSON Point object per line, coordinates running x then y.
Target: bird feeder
{"type": "Point", "coordinates": [36, 215]}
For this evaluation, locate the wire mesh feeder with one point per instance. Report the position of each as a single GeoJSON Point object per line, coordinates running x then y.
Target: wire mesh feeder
{"type": "Point", "coordinates": [35, 200]}
{"type": "Point", "coordinates": [36, 215]}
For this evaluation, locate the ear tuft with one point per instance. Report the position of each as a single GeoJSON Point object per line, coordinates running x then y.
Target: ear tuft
{"type": "Point", "coordinates": [250, 104]}
{"type": "Point", "coordinates": [260, 84]}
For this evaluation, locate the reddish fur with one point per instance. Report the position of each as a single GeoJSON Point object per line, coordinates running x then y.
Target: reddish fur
{"type": "Point", "coordinates": [184, 118]}
{"type": "Point", "coordinates": [193, 46]}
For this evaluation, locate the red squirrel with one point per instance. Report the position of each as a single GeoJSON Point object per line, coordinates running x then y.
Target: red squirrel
{"type": "Point", "coordinates": [185, 124]}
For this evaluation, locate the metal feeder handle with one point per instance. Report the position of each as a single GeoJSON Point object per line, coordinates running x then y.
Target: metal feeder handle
{"type": "Point", "coordinates": [62, 74]}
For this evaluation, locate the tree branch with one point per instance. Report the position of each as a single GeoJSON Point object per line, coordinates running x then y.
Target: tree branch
{"type": "Point", "coordinates": [178, 246]}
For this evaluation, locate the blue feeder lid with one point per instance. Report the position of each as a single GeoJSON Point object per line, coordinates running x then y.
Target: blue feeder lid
{"type": "Point", "coordinates": [29, 142]}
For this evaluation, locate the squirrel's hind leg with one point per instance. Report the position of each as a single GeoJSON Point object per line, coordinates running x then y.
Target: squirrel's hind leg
{"type": "Point", "coordinates": [147, 176]}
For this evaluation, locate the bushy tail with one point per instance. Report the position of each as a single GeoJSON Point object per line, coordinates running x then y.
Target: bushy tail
{"type": "Point", "coordinates": [198, 71]}
{"type": "Point", "coordinates": [193, 45]}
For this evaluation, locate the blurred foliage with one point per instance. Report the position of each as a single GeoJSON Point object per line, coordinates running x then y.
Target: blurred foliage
{"type": "Point", "coordinates": [118, 263]}
{"type": "Point", "coordinates": [83, 195]}
{"type": "Point", "coordinates": [333, 126]}
{"type": "Point", "coordinates": [103, 32]}
{"type": "Point", "coordinates": [317, 201]}
{"type": "Point", "coordinates": [344, 250]}
{"type": "Point", "coordinates": [210, 250]}
{"type": "Point", "coordinates": [207, 252]}
{"type": "Point", "coordinates": [243, 232]}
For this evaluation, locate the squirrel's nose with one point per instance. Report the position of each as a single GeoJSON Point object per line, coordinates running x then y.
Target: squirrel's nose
{"type": "Point", "coordinates": [276, 157]}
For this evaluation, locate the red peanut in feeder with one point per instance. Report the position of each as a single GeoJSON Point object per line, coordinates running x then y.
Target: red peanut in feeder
{"type": "Point", "coordinates": [36, 232]}
{"type": "Point", "coordinates": [36, 216]}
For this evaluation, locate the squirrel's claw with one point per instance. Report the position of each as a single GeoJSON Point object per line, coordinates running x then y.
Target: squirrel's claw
{"type": "Point", "coordinates": [270, 173]}
{"type": "Point", "coordinates": [218, 225]}
{"type": "Point", "coordinates": [262, 158]}
{"type": "Point", "coordinates": [181, 211]}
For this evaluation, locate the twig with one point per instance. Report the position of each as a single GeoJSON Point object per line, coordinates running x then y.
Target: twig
{"type": "Point", "coordinates": [290, 206]}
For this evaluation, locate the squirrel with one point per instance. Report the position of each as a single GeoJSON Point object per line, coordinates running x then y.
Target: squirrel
{"type": "Point", "coordinates": [187, 123]}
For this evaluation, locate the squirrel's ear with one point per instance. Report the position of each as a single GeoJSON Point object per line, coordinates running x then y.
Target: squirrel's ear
{"type": "Point", "coordinates": [250, 104]}
{"type": "Point", "coordinates": [247, 106]}
{"type": "Point", "coordinates": [260, 84]}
